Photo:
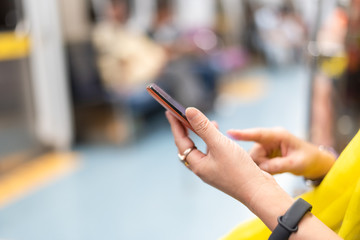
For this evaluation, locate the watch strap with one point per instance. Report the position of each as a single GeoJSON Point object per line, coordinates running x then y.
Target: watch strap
{"type": "Point", "coordinates": [288, 223]}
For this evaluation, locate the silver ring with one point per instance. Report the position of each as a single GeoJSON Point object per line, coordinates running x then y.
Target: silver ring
{"type": "Point", "coordinates": [182, 157]}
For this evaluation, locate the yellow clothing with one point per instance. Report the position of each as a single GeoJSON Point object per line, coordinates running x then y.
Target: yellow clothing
{"type": "Point", "coordinates": [336, 202]}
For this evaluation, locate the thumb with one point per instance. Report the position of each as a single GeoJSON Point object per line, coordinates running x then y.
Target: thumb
{"type": "Point", "coordinates": [202, 126]}
{"type": "Point", "coordinates": [275, 165]}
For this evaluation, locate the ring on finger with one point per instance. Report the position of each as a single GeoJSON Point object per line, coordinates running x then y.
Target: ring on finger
{"type": "Point", "coordinates": [182, 157]}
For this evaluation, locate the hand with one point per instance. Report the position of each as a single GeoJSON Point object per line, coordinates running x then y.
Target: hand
{"type": "Point", "coordinates": [229, 168]}
{"type": "Point", "coordinates": [226, 165]}
{"type": "Point", "coordinates": [277, 151]}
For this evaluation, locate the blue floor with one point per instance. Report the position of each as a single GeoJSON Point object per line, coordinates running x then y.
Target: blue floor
{"type": "Point", "coordinates": [141, 191]}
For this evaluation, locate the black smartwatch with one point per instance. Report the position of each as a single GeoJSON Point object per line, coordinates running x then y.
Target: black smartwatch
{"type": "Point", "coordinates": [288, 223]}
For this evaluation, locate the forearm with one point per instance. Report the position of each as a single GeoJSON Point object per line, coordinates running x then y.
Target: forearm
{"type": "Point", "coordinates": [270, 201]}
{"type": "Point", "coordinates": [310, 227]}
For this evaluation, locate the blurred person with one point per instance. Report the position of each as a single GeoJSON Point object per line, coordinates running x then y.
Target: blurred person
{"type": "Point", "coordinates": [333, 59]}
{"type": "Point", "coordinates": [126, 59]}
{"type": "Point", "coordinates": [163, 29]}
{"type": "Point", "coordinates": [188, 63]}
{"type": "Point", "coordinates": [129, 60]}
{"type": "Point", "coordinates": [281, 34]}
{"type": "Point", "coordinates": [197, 57]}
{"type": "Point", "coordinates": [245, 177]}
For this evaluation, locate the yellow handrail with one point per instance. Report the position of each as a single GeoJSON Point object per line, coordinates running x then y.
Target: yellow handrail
{"type": "Point", "coordinates": [13, 46]}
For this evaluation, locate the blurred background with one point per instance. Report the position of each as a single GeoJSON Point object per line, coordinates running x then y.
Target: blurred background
{"type": "Point", "coordinates": [86, 153]}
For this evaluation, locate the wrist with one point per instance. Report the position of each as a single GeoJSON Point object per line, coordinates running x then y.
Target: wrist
{"type": "Point", "coordinates": [322, 162]}
{"type": "Point", "coordinates": [269, 201]}
{"type": "Point", "coordinates": [288, 223]}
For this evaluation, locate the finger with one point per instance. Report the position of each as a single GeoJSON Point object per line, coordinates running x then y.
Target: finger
{"type": "Point", "coordinates": [182, 141]}
{"type": "Point", "coordinates": [176, 125]}
{"type": "Point", "coordinates": [194, 157]}
{"type": "Point", "coordinates": [276, 165]}
{"type": "Point", "coordinates": [254, 134]}
{"type": "Point", "coordinates": [258, 153]}
{"type": "Point", "coordinates": [203, 127]}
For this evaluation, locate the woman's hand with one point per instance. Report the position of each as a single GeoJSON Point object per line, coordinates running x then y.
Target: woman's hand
{"type": "Point", "coordinates": [229, 168]}
{"type": "Point", "coordinates": [226, 165]}
{"type": "Point", "coordinates": [277, 151]}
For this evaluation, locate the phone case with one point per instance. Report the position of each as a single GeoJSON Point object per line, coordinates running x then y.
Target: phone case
{"type": "Point", "coordinates": [175, 108]}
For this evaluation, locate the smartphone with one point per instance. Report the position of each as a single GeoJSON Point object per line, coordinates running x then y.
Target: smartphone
{"type": "Point", "coordinates": [175, 108]}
